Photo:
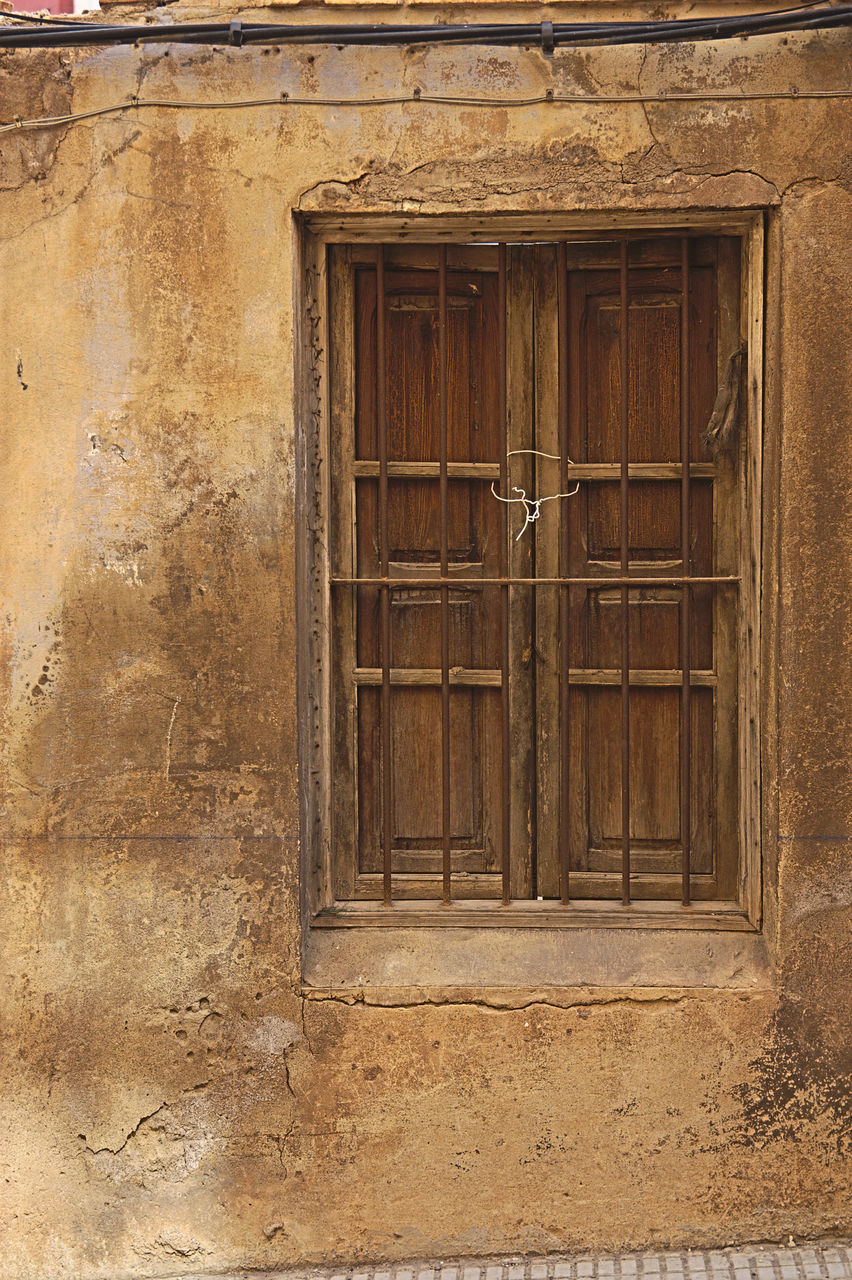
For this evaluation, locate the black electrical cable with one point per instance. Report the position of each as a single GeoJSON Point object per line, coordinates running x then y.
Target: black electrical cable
{"type": "Point", "coordinates": [83, 19]}
{"type": "Point", "coordinates": [522, 33]}
{"type": "Point", "coordinates": [804, 18]}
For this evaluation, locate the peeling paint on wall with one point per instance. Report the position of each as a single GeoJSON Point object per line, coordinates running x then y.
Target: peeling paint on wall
{"type": "Point", "coordinates": [173, 1100]}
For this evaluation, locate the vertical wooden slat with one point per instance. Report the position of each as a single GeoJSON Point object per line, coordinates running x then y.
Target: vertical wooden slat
{"type": "Point", "coordinates": [445, 595]}
{"type": "Point", "coordinates": [506, 746]}
{"type": "Point", "coordinates": [337, 447]}
{"type": "Point", "coordinates": [520, 396]}
{"type": "Point", "coordinates": [578, 336]}
{"type": "Point", "coordinates": [544, 539]}
{"type": "Point", "coordinates": [750, 604]}
{"type": "Point", "coordinates": [685, 602]}
{"type": "Point", "coordinates": [564, 596]}
{"type": "Point", "coordinates": [315, 643]}
{"type": "Point", "coordinates": [730, 614]}
{"type": "Point", "coordinates": [625, 563]}
{"type": "Point", "coordinates": [381, 427]}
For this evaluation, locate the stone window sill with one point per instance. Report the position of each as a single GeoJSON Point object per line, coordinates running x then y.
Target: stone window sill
{"type": "Point", "coordinates": [644, 952]}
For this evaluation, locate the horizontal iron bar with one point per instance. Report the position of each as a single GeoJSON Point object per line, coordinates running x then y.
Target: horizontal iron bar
{"type": "Point", "coordinates": [614, 581]}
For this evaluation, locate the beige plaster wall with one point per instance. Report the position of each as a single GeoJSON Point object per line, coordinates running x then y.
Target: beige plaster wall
{"type": "Point", "coordinates": [171, 1103]}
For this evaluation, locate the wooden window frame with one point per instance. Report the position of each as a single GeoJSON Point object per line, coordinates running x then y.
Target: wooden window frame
{"type": "Point", "coordinates": [322, 910]}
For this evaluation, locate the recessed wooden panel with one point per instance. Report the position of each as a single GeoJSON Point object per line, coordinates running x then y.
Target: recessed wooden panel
{"type": "Point", "coordinates": [654, 346]}
{"type": "Point", "coordinates": [653, 615]}
{"type": "Point", "coordinates": [654, 625]}
{"type": "Point", "coordinates": [414, 536]}
{"type": "Point", "coordinates": [411, 366]}
{"type": "Point", "coordinates": [655, 816]}
{"type": "Point", "coordinates": [654, 338]}
{"type": "Point", "coordinates": [417, 768]}
{"type": "Point", "coordinates": [654, 622]}
{"type": "Point", "coordinates": [416, 764]}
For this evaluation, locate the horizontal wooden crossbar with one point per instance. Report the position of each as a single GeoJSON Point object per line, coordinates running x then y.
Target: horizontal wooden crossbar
{"type": "Point", "coordinates": [368, 469]}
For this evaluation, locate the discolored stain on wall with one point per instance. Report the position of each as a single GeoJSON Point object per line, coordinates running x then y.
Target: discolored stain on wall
{"type": "Point", "coordinates": [174, 1099]}
{"type": "Point", "coordinates": [801, 1082]}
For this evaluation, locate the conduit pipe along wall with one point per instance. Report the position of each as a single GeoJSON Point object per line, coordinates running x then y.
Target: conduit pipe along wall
{"type": "Point", "coordinates": [547, 34]}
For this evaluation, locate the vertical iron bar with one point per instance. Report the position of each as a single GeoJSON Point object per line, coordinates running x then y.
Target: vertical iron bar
{"type": "Point", "coordinates": [504, 589]}
{"type": "Point", "coordinates": [564, 569]}
{"type": "Point", "coordinates": [625, 597]}
{"type": "Point", "coordinates": [686, 600]}
{"type": "Point", "coordinates": [381, 428]}
{"type": "Point", "coordinates": [445, 594]}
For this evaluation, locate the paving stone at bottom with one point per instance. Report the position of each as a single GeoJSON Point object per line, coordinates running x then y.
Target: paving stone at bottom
{"type": "Point", "coordinates": [807, 1261]}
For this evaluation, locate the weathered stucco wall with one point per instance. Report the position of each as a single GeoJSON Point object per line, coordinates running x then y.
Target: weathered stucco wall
{"type": "Point", "coordinates": [171, 1102]}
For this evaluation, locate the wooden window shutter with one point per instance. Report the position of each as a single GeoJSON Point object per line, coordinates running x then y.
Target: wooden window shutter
{"type": "Point", "coordinates": [563, 319]}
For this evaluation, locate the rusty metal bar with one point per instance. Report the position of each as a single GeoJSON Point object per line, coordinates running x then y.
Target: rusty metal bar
{"type": "Point", "coordinates": [624, 493]}
{"type": "Point", "coordinates": [506, 746]}
{"type": "Point", "coordinates": [616, 580]}
{"type": "Point", "coordinates": [686, 600]}
{"type": "Point", "coordinates": [564, 591]}
{"type": "Point", "coordinates": [445, 591]}
{"type": "Point", "coordinates": [384, 558]}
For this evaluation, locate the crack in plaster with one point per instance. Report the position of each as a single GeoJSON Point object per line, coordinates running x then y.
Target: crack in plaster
{"type": "Point", "coordinates": [728, 173]}
{"type": "Point", "coordinates": [303, 1007]}
{"type": "Point", "coordinates": [287, 1081]}
{"type": "Point", "coordinates": [699, 177]}
{"type": "Point", "coordinates": [333, 182]}
{"type": "Point", "coordinates": [225, 1076]}
{"type": "Point", "coordinates": [114, 1151]}
{"type": "Point", "coordinates": [280, 1140]}
{"type": "Point", "coordinates": [646, 107]}
{"type": "Point", "coordinates": [493, 1003]}
{"type": "Point", "coordinates": [637, 164]}
{"type": "Point", "coordinates": [169, 739]}
{"type": "Point", "coordinates": [91, 179]}
{"type": "Point", "coordinates": [812, 181]}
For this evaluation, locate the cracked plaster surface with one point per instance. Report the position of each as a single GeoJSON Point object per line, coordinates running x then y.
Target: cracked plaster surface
{"type": "Point", "coordinates": [151, 823]}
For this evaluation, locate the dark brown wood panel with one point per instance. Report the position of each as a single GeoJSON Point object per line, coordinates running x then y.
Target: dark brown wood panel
{"type": "Point", "coordinates": [414, 539]}
{"type": "Point", "coordinates": [654, 386]}
{"type": "Point", "coordinates": [411, 319]}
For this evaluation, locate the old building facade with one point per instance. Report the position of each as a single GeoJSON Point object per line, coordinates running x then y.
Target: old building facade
{"type": "Point", "coordinates": [222, 1048]}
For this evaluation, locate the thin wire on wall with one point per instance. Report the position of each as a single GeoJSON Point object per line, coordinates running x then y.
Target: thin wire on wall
{"type": "Point", "coordinates": [555, 99]}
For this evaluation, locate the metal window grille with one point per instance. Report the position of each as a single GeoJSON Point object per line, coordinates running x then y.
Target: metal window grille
{"type": "Point", "coordinates": [627, 580]}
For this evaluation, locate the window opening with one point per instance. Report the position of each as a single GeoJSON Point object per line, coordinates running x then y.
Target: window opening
{"type": "Point", "coordinates": [611, 634]}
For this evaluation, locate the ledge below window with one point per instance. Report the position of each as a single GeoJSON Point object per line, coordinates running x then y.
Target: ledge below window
{"type": "Point", "coordinates": [653, 945]}
{"type": "Point", "coordinates": [536, 914]}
